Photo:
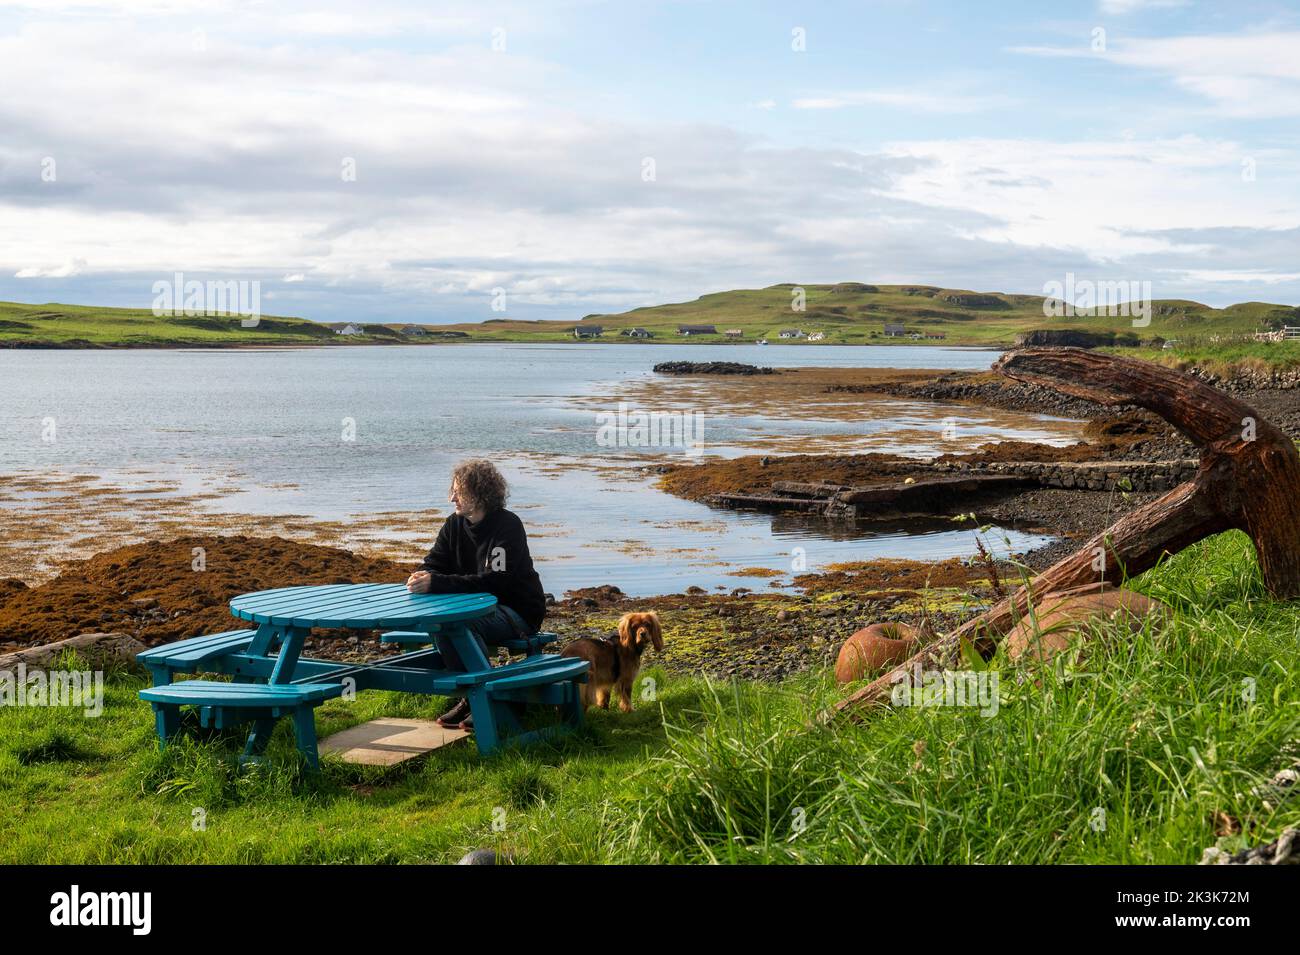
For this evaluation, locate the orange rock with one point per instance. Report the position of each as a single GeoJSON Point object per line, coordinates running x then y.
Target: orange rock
{"type": "Point", "coordinates": [874, 647]}
{"type": "Point", "coordinates": [1061, 619]}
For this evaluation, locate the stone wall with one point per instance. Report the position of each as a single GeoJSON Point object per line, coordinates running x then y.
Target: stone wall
{"type": "Point", "coordinates": [1092, 475]}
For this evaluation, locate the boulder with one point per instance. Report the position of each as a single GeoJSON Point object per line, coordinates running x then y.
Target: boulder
{"type": "Point", "coordinates": [874, 647]}
{"type": "Point", "coordinates": [1060, 619]}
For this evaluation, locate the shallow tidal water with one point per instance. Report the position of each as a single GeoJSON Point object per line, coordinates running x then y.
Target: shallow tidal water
{"type": "Point", "coordinates": [334, 434]}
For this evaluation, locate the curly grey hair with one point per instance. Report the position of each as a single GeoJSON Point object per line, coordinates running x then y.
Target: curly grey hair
{"type": "Point", "coordinates": [482, 483]}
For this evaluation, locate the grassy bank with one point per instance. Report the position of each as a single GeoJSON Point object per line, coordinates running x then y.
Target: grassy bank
{"type": "Point", "coordinates": [95, 327]}
{"type": "Point", "coordinates": [1155, 734]}
{"type": "Point", "coordinates": [848, 313]}
{"type": "Point", "coordinates": [1227, 359]}
{"type": "Point", "coordinates": [856, 313]}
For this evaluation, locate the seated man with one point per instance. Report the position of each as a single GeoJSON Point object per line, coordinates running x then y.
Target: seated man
{"type": "Point", "coordinates": [482, 548]}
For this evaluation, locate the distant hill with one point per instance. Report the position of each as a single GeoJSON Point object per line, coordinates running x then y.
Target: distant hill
{"type": "Point", "coordinates": [88, 326]}
{"type": "Point", "coordinates": [858, 313]}
{"type": "Point", "coordinates": [70, 326]}
{"type": "Point", "coordinates": [845, 313]}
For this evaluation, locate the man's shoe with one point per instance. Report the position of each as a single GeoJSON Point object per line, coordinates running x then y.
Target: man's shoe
{"type": "Point", "coordinates": [455, 716]}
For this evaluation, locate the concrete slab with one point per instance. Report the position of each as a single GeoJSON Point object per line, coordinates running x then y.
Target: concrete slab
{"type": "Point", "coordinates": [388, 741]}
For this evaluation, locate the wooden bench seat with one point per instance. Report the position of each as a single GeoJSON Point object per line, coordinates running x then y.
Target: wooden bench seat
{"type": "Point", "coordinates": [567, 668]}
{"type": "Point", "coordinates": [230, 704]}
{"type": "Point", "coordinates": [189, 656]}
{"type": "Point", "coordinates": [528, 645]}
{"type": "Point", "coordinates": [541, 662]}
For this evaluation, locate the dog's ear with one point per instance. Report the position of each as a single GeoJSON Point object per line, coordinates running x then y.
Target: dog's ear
{"type": "Point", "coordinates": [625, 630]}
{"type": "Point", "coordinates": [656, 631]}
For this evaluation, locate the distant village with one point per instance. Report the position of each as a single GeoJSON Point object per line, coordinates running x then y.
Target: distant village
{"type": "Point", "coordinates": [591, 332]}
{"type": "Point", "coordinates": [891, 330]}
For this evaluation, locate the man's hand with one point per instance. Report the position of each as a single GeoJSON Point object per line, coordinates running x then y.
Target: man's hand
{"type": "Point", "coordinates": [418, 582]}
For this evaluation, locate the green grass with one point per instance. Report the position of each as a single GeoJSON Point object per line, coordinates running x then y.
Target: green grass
{"type": "Point", "coordinates": [92, 326]}
{"type": "Point", "coordinates": [854, 313]}
{"type": "Point", "coordinates": [1225, 358]}
{"type": "Point", "coordinates": [1152, 730]}
{"type": "Point", "coordinates": [849, 313]}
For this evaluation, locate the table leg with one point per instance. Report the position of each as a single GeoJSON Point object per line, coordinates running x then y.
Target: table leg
{"type": "Point", "coordinates": [485, 724]}
{"type": "Point", "coordinates": [267, 635]}
{"type": "Point", "coordinates": [573, 708]}
{"type": "Point", "coordinates": [167, 720]}
{"type": "Point", "coordinates": [304, 724]}
{"type": "Point", "coordinates": [288, 658]}
{"type": "Point", "coordinates": [258, 739]}
{"type": "Point", "coordinates": [471, 655]}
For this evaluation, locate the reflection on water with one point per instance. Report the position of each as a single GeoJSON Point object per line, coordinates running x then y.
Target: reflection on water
{"type": "Point", "coordinates": [335, 433]}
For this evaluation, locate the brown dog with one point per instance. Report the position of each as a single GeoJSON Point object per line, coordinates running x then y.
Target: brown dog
{"type": "Point", "coordinates": [615, 662]}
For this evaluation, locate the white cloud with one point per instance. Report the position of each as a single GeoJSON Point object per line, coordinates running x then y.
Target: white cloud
{"type": "Point", "coordinates": [1121, 7]}
{"type": "Point", "coordinates": [1106, 199]}
{"type": "Point", "coordinates": [1252, 276]}
{"type": "Point", "coordinates": [1246, 75]}
{"type": "Point", "coordinates": [901, 99]}
{"type": "Point", "coordinates": [476, 170]}
{"type": "Point", "coordinates": [66, 270]}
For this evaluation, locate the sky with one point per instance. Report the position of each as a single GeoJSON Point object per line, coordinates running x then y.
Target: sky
{"type": "Point", "coordinates": [425, 162]}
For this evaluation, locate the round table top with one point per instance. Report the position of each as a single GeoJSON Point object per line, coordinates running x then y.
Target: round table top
{"type": "Point", "coordinates": [358, 607]}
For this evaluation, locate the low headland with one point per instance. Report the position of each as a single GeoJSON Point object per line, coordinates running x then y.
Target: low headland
{"type": "Point", "coordinates": [847, 313]}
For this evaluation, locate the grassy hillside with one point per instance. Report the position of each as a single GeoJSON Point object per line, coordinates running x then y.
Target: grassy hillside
{"type": "Point", "coordinates": [847, 313]}
{"type": "Point", "coordinates": [856, 313]}
{"type": "Point", "coordinates": [70, 325]}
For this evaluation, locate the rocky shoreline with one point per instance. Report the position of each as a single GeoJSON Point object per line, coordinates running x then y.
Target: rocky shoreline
{"type": "Point", "coordinates": [710, 368]}
{"type": "Point", "coordinates": [152, 592]}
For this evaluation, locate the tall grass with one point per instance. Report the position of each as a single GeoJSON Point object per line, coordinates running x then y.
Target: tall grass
{"type": "Point", "coordinates": [1143, 749]}
{"type": "Point", "coordinates": [1133, 752]}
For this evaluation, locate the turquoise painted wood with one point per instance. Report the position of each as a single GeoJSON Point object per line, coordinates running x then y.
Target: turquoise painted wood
{"type": "Point", "coordinates": [213, 693]}
{"type": "Point", "coordinates": [567, 668]}
{"type": "Point", "coordinates": [271, 685]}
{"type": "Point", "coordinates": [359, 607]}
{"type": "Point", "coordinates": [542, 661]}
{"type": "Point", "coordinates": [528, 645]}
{"type": "Point", "coordinates": [189, 656]}
{"type": "Point", "coordinates": [234, 704]}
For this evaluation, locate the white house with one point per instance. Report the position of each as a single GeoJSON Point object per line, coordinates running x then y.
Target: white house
{"type": "Point", "coordinates": [816, 336]}
{"type": "Point", "coordinates": [350, 329]}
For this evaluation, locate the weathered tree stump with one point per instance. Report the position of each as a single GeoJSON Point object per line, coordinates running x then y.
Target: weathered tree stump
{"type": "Point", "coordinates": [1249, 478]}
{"type": "Point", "coordinates": [93, 647]}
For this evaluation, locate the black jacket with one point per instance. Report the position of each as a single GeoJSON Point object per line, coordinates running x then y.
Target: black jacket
{"type": "Point", "coordinates": [488, 557]}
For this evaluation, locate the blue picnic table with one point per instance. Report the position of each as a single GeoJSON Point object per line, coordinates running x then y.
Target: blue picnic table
{"type": "Point", "coordinates": [271, 679]}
